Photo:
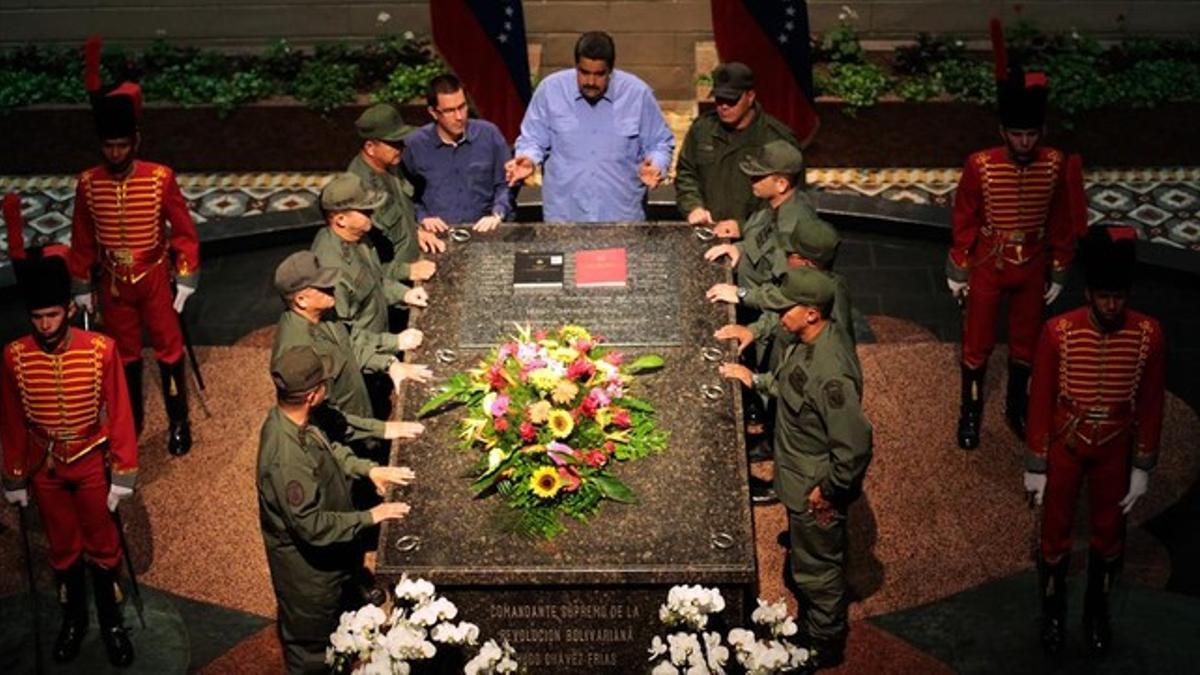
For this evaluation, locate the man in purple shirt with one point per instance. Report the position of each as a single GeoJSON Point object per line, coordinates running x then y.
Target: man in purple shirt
{"type": "Point", "coordinates": [601, 136]}
{"type": "Point", "coordinates": [456, 164]}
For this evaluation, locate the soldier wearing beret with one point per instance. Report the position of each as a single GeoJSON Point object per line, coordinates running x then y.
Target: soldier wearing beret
{"type": "Point", "coordinates": [1095, 415]}
{"type": "Point", "coordinates": [309, 526]}
{"type": "Point", "coordinates": [377, 164]}
{"type": "Point", "coordinates": [67, 433]}
{"type": "Point", "coordinates": [710, 188]}
{"type": "Point", "coordinates": [308, 291]}
{"type": "Point", "coordinates": [823, 445]}
{"type": "Point", "coordinates": [1014, 229]}
{"type": "Point", "coordinates": [133, 224]}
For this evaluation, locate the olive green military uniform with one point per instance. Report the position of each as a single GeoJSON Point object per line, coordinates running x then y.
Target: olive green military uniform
{"type": "Point", "coordinates": [347, 417]}
{"type": "Point", "coordinates": [309, 528]}
{"type": "Point", "coordinates": [396, 219]}
{"type": "Point", "coordinates": [822, 438]}
{"type": "Point", "coordinates": [362, 292]}
{"type": "Point", "coordinates": [708, 176]}
{"type": "Point", "coordinates": [759, 246]}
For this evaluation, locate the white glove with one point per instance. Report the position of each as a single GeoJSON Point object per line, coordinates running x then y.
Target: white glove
{"type": "Point", "coordinates": [116, 494]}
{"type": "Point", "coordinates": [18, 497]}
{"type": "Point", "coordinates": [84, 302]}
{"type": "Point", "coordinates": [1139, 482]}
{"type": "Point", "coordinates": [1035, 483]}
{"type": "Point", "coordinates": [182, 293]}
{"type": "Point", "coordinates": [957, 288]}
{"type": "Point", "coordinates": [1052, 292]}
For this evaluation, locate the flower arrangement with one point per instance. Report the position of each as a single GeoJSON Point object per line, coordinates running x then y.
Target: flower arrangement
{"type": "Point", "coordinates": [370, 641]}
{"type": "Point", "coordinates": [551, 414]}
{"type": "Point", "coordinates": [704, 652]}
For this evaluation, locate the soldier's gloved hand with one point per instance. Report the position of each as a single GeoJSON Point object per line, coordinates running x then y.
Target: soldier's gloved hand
{"type": "Point", "coordinates": [1035, 483]}
{"type": "Point", "coordinates": [18, 497]}
{"type": "Point", "coordinates": [182, 293]}
{"type": "Point", "coordinates": [728, 229]}
{"type": "Point", "coordinates": [722, 293]}
{"type": "Point", "coordinates": [1139, 482]}
{"type": "Point", "coordinates": [957, 288]}
{"type": "Point", "coordinates": [409, 338]}
{"type": "Point", "coordinates": [84, 302]}
{"type": "Point", "coordinates": [1052, 292]}
{"type": "Point", "coordinates": [389, 511]}
{"type": "Point", "coordinates": [397, 429]}
{"type": "Point", "coordinates": [116, 494]}
{"type": "Point", "coordinates": [421, 270]}
{"type": "Point", "coordinates": [417, 297]}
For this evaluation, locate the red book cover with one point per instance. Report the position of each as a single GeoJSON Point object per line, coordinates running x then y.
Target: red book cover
{"type": "Point", "coordinates": [600, 267]}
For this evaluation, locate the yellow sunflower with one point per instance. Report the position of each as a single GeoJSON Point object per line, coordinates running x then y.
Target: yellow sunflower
{"type": "Point", "coordinates": [545, 482]}
{"type": "Point", "coordinates": [561, 423]}
{"type": "Point", "coordinates": [565, 392]}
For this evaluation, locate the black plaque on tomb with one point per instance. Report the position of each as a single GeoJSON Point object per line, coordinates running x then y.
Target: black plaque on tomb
{"type": "Point", "coordinates": [536, 269]}
{"type": "Point", "coordinates": [588, 600]}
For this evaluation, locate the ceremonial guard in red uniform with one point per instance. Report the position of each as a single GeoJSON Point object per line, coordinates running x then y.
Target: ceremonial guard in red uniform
{"type": "Point", "coordinates": [147, 269]}
{"type": "Point", "coordinates": [68, 436]}
{"type": "Point", "coordinates": [1095, 414]}
{"type": "Point", "coordinates": [1013, 223]}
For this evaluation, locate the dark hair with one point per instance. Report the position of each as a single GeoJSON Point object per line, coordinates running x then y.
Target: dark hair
{"type": "Point", "coordinates": [596, 45]}
{"type": "Point", "coordinates": [446, 83]}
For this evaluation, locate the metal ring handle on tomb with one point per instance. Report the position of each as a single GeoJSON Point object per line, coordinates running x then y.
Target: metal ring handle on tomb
{"type": "Point", "coordinates": [712, 392]}
{"type": "Point", "coordinates": [722, 540]}
{"type": "Point", "coordinates": [714, 354]}
{"type": "Point", "coordinates": [460, 234]}
{"type": "Point", "coordinates": [408, 543]}
{"type": "Point", "coordinates": [705, 233]}
{"type": "Point", "coordinates": [446, 355]}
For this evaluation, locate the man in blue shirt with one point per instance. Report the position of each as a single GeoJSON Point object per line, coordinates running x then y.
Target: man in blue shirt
{"type": "Point", "coordinates": [456, 164]}
{"type": "Point", "coordinates": [601, 135]}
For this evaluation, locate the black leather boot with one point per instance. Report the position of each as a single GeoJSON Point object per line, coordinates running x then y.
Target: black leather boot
{"type": "Point", "coordinates": [174, 388]}
{"type": "Point", "coordinates": [1097, 630]}
{"type": "Point", "coordinates": [1052, 584]}
{"type": "Point", "coordinates": [133, 381]}
{"type": "Point", "coordinates": [108, 611]}
{"type": "Point", "coordinates": [970, 413]}
{"type": "Point", "coordinates": [74, 610]}
{"type": "Point", "coordinates": [1016, 399]}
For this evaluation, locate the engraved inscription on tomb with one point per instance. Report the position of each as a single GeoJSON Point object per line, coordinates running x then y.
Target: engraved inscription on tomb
{"type": "Point", "coordinates": [643, 313]}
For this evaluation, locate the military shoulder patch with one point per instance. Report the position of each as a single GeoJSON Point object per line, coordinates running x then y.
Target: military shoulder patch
{"type": "Point", "coordinates": [295, 493]}
{"type": "Point", "coordinates": [835, 394]}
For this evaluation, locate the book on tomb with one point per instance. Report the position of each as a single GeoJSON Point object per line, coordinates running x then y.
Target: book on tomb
{"type": "Point", "coordinates": [600, 268]}
{"type": "Point", "coordinates": [537, 269]}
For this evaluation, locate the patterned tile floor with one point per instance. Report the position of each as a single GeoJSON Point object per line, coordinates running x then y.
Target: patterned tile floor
{"type": "Point", "coordinates": [1164, 204]}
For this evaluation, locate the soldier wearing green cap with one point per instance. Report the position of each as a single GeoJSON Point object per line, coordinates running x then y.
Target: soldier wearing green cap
{"type": "Point", "coordinates": [823, 445]}
{"type": "Point", "coordinates": [377, 163]}
{"type": "Point", "coordinates": [710, 189]}
{"type": "Point", "coordinates": [309, 525]}
{"type": "Point", "coordinates": [307, 289]}
{"type": "Point", "coordinates": [363, 292]}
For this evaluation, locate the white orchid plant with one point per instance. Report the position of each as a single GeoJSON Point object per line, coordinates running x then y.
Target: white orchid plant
{"type": "Point", "coordinates": [705, 653]}
{"type": "Point", "coordinates": [370, 641]}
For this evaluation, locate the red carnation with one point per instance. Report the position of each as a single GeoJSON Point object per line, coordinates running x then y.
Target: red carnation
{"type": "Point", "coordinates": [621, 418]}
{"type": "Point", "coordinates": [580, 369]}
{"type": "Point", "coordinates": [501, 424]}
{"type": "Point", "coordinates": [527, 431]}
{"type": "Point", "coordinates": [595, 459]}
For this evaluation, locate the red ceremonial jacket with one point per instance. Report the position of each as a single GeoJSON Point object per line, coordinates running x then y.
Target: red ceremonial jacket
{"type": "Point", "coordinates": [1008, 213]}
{"type": "Point", "coordinates": [1091, 387]}
{"type": "Point", "coordinates": [59, 407]}
{"type": "Point", "coordinates": [122, 224]}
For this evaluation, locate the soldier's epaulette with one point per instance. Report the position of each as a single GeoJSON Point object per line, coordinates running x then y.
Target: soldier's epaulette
{"type": "Point", "coordinates": [15, 348]}
{"type": "Point", "coordinates": [161, 171]}
{"type": "Point", "coordinates": [980, 159]}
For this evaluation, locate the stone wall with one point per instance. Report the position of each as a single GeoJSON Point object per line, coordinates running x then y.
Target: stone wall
{"type": "Point", "coordinates": [655, 38]}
